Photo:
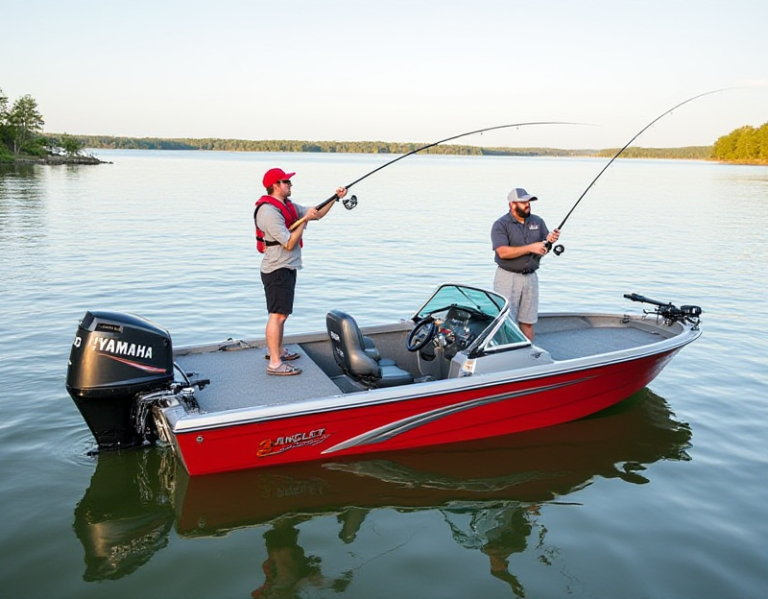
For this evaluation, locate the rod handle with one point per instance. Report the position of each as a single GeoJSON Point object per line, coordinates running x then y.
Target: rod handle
{"type": "Point", "coordinates": [320, 206]}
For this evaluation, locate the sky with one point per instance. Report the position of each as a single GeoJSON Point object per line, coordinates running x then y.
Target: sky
{"type": "Point", "coordinates": [391, 70]}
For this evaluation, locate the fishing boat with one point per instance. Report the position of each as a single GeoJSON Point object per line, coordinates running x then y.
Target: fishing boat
{"type": "Point", "coordinates": [459, 369]}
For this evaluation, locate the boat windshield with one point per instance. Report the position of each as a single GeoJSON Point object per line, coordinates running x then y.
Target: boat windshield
{"type": "Point", "coordinates": [481, 317]}
{"type": "Point", "coordinates": [459, 296]}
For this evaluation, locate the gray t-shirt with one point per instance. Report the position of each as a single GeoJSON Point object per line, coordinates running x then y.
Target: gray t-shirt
{"type": "Point", "coordinates": [508, 231]}
{"type": "Point", "coordinates": [270, 220]}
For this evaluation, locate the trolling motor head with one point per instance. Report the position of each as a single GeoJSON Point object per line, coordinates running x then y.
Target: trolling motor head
{"type": "Point", "coordinates": [669, 311]}
{"type": "Point", "coordinates": [350, 202]}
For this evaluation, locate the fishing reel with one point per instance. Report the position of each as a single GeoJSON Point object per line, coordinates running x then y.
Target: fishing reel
{"type": "Point", "coordinates": [557, 250]}
{"type": "Point", "coordinates": [350, 202]}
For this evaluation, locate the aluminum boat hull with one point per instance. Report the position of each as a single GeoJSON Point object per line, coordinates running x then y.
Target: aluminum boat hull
{"type": "Point", "coordinates": [459, 370]}
{"type": "Point", "coordinates": [483, 408]}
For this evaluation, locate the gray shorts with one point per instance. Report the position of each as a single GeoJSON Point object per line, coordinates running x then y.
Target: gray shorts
{"type": "Point", "coordinates": [522, 291]}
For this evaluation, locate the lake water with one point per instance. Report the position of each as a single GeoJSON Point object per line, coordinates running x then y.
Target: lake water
{"type": "Point", "coordinates": [663, 496]}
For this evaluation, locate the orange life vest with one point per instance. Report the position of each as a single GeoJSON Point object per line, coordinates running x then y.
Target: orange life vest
{"type": "Point", "coordinates": [290, 215]}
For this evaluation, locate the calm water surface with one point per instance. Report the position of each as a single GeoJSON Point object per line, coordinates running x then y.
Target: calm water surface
{"type": "Point", "coordinates": [663, 496]}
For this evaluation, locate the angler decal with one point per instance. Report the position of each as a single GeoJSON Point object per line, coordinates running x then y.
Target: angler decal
{"type": "Point", "coordinates": [269, 447]}
{"type": "Point", "coordinates": [285, 487]}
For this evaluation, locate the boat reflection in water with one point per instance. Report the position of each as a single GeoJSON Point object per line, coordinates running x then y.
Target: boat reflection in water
{"type": "Point", "coordinates": [488, 493]}
{"type": "Point", "coordinates": [127, 512]}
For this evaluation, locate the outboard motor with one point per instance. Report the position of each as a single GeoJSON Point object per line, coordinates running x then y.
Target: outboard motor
{"type": "Point", "coordinates": [116, 357]}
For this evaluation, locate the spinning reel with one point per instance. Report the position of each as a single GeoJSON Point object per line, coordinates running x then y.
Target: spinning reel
{"type": "Point", "coordinates": [350, 202]}
{"type": "Point", "coordinates": [557, 250]}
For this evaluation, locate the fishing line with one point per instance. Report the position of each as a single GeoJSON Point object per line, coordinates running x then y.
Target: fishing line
{"type": "Point", "coordinates": [560, 249]}
{"type": "Point", "coordinates": [351, 202]}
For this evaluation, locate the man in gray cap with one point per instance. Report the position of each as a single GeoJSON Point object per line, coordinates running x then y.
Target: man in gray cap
{"type": "Point", "coordinates": [519, 241]}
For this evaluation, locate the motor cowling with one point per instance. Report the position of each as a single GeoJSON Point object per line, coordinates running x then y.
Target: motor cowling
{"type": "Point", "coordinates": [115, 357]}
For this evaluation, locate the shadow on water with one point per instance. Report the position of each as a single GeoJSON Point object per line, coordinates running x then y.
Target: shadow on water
{"type": "Point", "coordinates": [488, 492]}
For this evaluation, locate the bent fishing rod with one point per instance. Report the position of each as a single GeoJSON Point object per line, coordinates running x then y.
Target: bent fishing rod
{"type": "Point", "coordinates": [351, 202]}
{"type": "Point", "coordinates": [559, 249]}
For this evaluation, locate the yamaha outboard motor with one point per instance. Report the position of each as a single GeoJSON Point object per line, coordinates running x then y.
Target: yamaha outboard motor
{"type": "Point", "coordinates": [116, 357]}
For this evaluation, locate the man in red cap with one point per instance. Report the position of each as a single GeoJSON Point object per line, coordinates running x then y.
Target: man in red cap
{"type": "Point", "coordinates": [280, 225]}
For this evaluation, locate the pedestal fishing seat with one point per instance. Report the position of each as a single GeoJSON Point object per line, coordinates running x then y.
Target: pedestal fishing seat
{"type": "Point", "coordinates": [357, 355]}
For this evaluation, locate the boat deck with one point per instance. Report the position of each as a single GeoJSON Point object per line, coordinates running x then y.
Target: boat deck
{"type": "Point", "coordinates": [567, 338]}
{"type": "Point", "coordinates": [239, 378]}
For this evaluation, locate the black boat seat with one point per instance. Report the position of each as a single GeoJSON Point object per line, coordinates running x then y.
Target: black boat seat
{"type": "Point", "coordinates": [357, 355]}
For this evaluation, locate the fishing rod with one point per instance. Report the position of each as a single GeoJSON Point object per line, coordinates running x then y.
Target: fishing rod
{"type": "Point", "coordinates": [559, 249]}
{"type": "Point", "coordinates": [351, 202]}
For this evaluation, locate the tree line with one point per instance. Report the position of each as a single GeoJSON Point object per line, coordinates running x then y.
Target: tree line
{"type": "Point", "coordinates": [21, 132]}
{"type": "Point", "coordinates": [288, 145]}
{"type": "Point", "coordinates": [745, 144]}
{"type": "Point", "coordinates": [686, 153]}
{"type": "Point", "coordinates": [21, 135]}
{"type": "Point", "coordinates": [370, 147]}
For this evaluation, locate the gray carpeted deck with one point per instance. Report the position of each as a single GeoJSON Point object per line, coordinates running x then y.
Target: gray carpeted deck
{"type": "Point", "coordinates": [239, 379]}
{"type": "Point", "coordinates": [580, 342]}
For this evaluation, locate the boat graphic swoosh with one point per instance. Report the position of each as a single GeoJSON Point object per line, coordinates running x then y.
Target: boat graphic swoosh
{"type": "Point", "coordinates": [398, 427]}
{"type": "Point", "coordinates": [139, 365]}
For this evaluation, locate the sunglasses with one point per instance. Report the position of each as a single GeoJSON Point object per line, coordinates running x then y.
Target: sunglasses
{"type": "Point", "coordinates": [286, 181]}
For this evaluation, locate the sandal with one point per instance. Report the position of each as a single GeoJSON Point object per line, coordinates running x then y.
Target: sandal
{"type": "Point", "coordinates": [284, 370]}
{"type": "Point", "coordinates": [287, 356]}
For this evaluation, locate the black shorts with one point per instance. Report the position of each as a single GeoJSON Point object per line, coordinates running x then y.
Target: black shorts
{"type": "Point", "coordinates": [279, 289]}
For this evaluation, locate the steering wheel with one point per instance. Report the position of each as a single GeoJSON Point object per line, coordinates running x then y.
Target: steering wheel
{"type": "Point", "coordinates": [421, 334]}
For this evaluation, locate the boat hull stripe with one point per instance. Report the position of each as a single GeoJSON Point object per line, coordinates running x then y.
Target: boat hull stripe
{"type": "Point", "coordinates": [393, 429]}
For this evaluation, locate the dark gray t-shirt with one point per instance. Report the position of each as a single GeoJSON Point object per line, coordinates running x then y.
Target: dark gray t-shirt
{"type": "Point", "coordinates": [508, 231]}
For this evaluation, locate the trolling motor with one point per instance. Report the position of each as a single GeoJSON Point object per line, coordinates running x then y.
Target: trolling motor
{"type": "Point", "coordinates": [669, 311]}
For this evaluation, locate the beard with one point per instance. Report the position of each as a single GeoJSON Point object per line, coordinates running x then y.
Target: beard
{"type": "Point", "coordinates": [522, 212]}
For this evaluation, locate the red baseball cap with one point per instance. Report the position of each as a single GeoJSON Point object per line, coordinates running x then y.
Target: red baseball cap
{"type": "Point", "coordinates": [274, 175]}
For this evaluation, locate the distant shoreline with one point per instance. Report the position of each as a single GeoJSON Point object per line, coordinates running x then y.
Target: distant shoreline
{"type": "Point", "coordinates": [56, 160]}
{"type": "Point", "coordinates": [101, 142]}
{"type": "Point", "coordinates": [105, 142]}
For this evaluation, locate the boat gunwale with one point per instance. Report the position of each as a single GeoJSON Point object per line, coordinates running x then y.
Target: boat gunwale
{"type": "Point", "coordinates": [196, 422]}
{"type": "Point", "coordinates": [295, 338]}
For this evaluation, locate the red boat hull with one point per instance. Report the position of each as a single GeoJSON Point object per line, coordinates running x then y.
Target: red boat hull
{"type": "Point", "coordinates": [460, 415]}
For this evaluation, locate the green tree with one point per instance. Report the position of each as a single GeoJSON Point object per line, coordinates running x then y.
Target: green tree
{"type": "Point", "coordinates": [745, 144]}
{"type": "Point", "coordinates": [5, 137]}
{"type": "Point", "coordinates": [71, 145]}
{"type": "Point", "coordinates": [3, 107]}
{"type": "Point", "coordinates": [25, 122]}
{"type": "Point", "coordinates": [762, 141]}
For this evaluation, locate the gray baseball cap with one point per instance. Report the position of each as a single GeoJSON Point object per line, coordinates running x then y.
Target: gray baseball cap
{"type": "Point", "coordinates": [518, 194]}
